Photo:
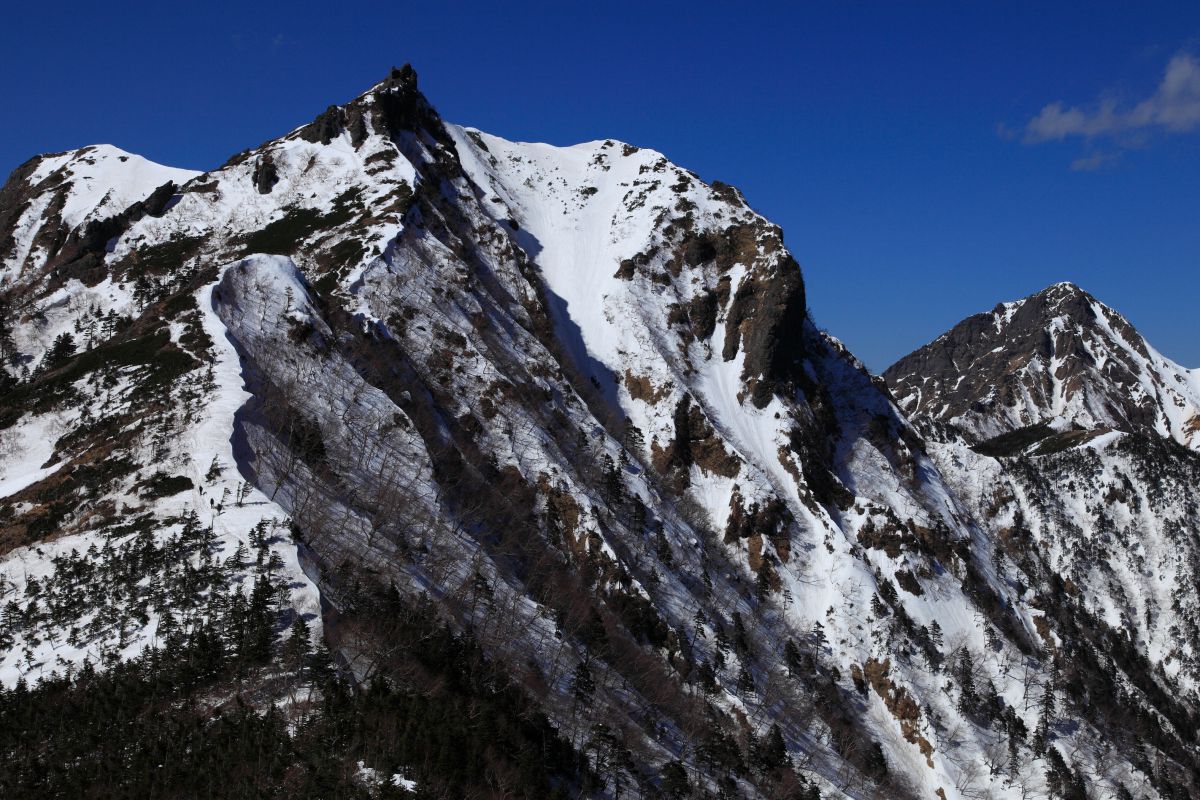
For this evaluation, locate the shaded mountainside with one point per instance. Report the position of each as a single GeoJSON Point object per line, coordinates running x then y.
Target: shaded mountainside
{"type": "Point", "coordinates": [509, 469]}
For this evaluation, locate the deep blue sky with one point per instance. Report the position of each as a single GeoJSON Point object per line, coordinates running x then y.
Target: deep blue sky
{"type": "Point", "coordinates": [890, 140]}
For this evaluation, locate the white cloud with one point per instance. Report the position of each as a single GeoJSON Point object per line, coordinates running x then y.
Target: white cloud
{"type": "Point", "coordinates": [1173, 108]}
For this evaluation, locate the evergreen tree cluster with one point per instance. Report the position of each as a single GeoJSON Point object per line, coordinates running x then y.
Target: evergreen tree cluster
{"type": "Point", "coordinates": [151, 727]}
{"type": "Point", "coordinates": [103, 597]}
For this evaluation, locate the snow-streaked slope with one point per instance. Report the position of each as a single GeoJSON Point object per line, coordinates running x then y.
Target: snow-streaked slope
{"type": "Point", "coordinates": [1116, 518]}
{"type": "Point", "coordinates": [580, 214]}
{"type": "Point", "coordinates": [585, 215]}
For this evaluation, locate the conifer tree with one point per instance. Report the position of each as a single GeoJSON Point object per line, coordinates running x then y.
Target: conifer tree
{"type": "Point", "coordinates": [771, 751]}
{"type": "Point", "coordinates": [791, 657]}
{"type": "Point", "coordinates": [583, 684]}
{"type": "Point", "coordinates": [299, 646]}
{"type": "Point", "coordinates": [59, 353]}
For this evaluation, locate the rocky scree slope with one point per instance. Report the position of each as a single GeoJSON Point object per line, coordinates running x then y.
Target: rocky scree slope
{"type": "Point", "coordinates": [565, 402]}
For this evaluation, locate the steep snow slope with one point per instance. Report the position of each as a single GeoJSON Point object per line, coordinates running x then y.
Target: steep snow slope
{"type": "Point", "coordinates": [1116, 519]}
{"type": "Point", "coordinates": [1059, 357]}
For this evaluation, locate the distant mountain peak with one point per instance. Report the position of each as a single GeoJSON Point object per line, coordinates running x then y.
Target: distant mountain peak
{"type": "Point", "coordinates": [1065, 296]}
{"type": "Point", "coordinates": [1058, 357]}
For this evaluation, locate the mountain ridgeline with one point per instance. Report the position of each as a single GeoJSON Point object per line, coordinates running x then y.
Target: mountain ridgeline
{"type": "Point", "coordinates": [393, 458]}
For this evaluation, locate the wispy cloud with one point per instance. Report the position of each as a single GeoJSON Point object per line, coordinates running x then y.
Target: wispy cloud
{"type": "Point", "coordinates": [1173, 108]}
{"type": "Point", "coordinates": [1095, 161]}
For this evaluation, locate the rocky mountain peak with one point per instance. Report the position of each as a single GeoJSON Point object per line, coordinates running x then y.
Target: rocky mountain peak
{"type": "Point", "coordinates": [1059, 300]}
{"type": "Point", "coordinates": [392, 106]}
{"type": "Point", "coordinates": [1059, 358]}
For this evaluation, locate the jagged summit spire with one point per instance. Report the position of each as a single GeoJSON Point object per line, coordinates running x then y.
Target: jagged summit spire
{"type": "Point", "coordinates": [404, 78]}
{"type": "Point", "coordinates": [391, 106]}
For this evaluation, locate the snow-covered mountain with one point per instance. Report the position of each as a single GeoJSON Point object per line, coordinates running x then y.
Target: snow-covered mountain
{"type": "Point", "coordinates": [1058, 358]}
{"type": "Point", "coordinates": [535, 434]}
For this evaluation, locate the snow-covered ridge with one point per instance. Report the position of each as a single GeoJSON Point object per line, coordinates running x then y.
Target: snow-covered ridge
{"type": "Point", "coordinates": [104, 180]}
{"type": "Point", "coordinates": [68, 190]}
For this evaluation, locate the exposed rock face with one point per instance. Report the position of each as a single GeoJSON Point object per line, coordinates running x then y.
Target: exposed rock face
{"type": "Point", "coordinates": [766, 318]}
{"type": "Point", "coordinates": [695, 442]}
{"type": "Point", "coordinates": [265, 175]}
{"type": "Point", "coordinates": [82, 253]}
{"type": "Point", "coordinates": [568, 402]}
{"type": "Point", "coordinates": [325, 127]}
{"type": "Point", "coordinates": [395, 106]}
{"type": "Point", "coordinates": [14, 202]}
